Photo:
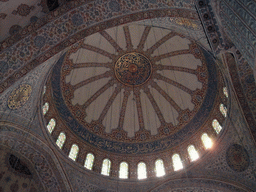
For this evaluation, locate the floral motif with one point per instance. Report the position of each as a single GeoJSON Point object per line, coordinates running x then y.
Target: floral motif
{"type": "Point", "coordinates": [23, 10]}
{"type": "Point", "coordinates": [14, 29]}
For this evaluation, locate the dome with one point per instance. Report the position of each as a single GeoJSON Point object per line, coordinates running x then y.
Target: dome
{"type": "Point", "coordinates": [135, 89]}
{"type": "Point", "coordinates": [127, 95]}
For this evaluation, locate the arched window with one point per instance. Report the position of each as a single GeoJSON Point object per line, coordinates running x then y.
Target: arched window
{"type": "Point", "coordinates": [177, 164]}
{"type": "Point", "coordinates": [159, 168]}
{"type": "Point", "coordinates": [89, 161]}
{"type": "Point", "coordinates": [106, 165]}
{"type": "Point", "coordinates": [61, 139]}
{"type": "Point", "coordinates": [225, 91]}
{"type": "Point", "coordinates": [193, 154]}
{"type": "Point", "coordinates": [123, 170]}
{"type": "Point", "coordinates": [223, 110]}
{"type": "Point", "coordinates": [44, 90]}
{"type": "Point", "coordinates": [206, 141]}
{"type": "Point", "coordinates": [73, 152]}
{"type": "Point", "coordinates": [45, 108]}
{"type": "Point", "coordinates": [142, 170]}
{"type": "Point", "coordinates": [216, 125]}
{"type": "Point", "coordinates": [51, 125]}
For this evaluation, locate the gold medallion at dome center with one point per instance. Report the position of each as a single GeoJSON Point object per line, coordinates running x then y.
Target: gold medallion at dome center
{"type": "Point", "coordinates": [133, 69]}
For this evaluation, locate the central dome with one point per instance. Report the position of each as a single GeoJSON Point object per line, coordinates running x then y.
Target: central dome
{"type": "Point", "coordinates": [134, 89]}
{"type": "Point", "coordinates": [133, 69]}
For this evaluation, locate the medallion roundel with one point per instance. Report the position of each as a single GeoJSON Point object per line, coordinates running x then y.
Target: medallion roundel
{"type": "Point", "coordinates": [237, 158]}
{"type": "Point", "coordinates": [133, 69]}
{"type": "Point", "coordinates": [19, 96]}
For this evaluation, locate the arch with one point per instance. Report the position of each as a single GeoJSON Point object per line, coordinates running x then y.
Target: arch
{"type": "Point", "coordinates": [43, 160]}
{"type": "Point", "coordinates": [45, 108]}
{"type": "Point", "coordinates": [142, 171]}
{"type": "Point", "coordinates": [225, 91]}
{"type": "Point", "coordinates": [193, 154]}
{"type": "Point", "coordinates": [61, 140]}
{"type": "Point", "coordinates": [159, 168]}
{"type": "Point", "coordinates": [44, 90]}
{"type": "Point", "coordinates": [51, 125]}
{"type": "Point", "coordinates": [73, 152]}
{"type": "Point", "coordinates": [216, 125]}
{"type": "Point", "coordinates": [223, 110]}
{"type": "Point", "coordinates": [177, 163]}
{"type": "Point", "coordinates": [89, 161]}
{"type": "Point", "coordinates": [206, 141]}
{"type": "Point", "coordinates": [106, 165]}
{"type": "Point", "coordinates": [123, 170]}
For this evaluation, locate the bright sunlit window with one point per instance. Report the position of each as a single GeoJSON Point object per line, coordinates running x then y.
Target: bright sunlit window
{"type": "Point", "coordinates": [159, 168]}
{"type": "Point", "coordinates": [73, 152]}
{"type": "Point", "coordinates": [193, 154]}
{"type": "Point", "coordinates": [51, 125]}
{"type": "Point", "coordinates": [142, 170]}
{"type": "Point", "coordinates": [123, 170]}
{"type": "Point", "coordinates": [216, 125]}
{"type": "Point", "coordinates": [61, 139]}
{"type": "Point", "coordinates": [106, 165]}
{"type": "Point", "coordinates": [45, 108]}
{"type": "Point", "coordinates": [89, 161]}
{"type": "Point", "coordinates": [177, 163]}
{"type": "Point", "coordinates": [206, 141]}
{"type": "Point", "coordinates": [223, 110]}
{"type": "Point", "coordinates": [225, 91]}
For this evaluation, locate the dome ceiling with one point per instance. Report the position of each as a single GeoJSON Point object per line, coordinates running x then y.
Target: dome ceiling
{"type": "Point", "coordinates": [132, 86]}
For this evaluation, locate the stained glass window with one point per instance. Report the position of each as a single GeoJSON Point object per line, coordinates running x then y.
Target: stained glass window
{"type": "Point", "coordinates": [89, 161]}
{"type": "Point", "coordinates": [123, 170]}
{"type": "Point", "coordinates": [206, 141]}
{"type": "Point", "coordinates": [216, 125]}
{"type": "Point", "coordinates": [51, 125]}
{"type": "Point", "coordinates": [44, 90]}
{"type": "Point", "coordinates": [193, 154]}
{"type": "Point", "coordinates": [159, 168]}
{"type": "Point", "coordinates": [45, 108]}
{"type": "Point", "coordinates": [61, 139]}
{"type": "Point", "coordinates": [106, 165]}
{"type": "Point", "coordinates": [142, 170]}
{"type": "Point", "coordinates": [223, 110]}
{"type": "Point", "coordinates": [225, 91]}
{"type": "Point", "coordinates": [73, 152]}
{"type": "Point", "coordinates": [177, 164]}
